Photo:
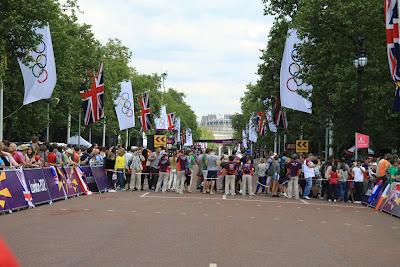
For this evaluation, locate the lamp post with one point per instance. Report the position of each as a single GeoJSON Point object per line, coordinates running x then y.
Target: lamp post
{"type": "Point", "coordinates": [359, 63]}
{"type": "Point", "coordinates": [163, 77]}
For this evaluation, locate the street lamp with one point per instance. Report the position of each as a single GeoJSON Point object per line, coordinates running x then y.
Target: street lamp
{"type": "Point", "coordinates": [55, 100]}
{"type": "Point", "coordinates": [359, 63]}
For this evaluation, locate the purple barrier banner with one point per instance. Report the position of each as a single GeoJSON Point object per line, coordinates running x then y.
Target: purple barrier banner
{"type": "Point", "coordinates": [392, 204]}
{"type": "Point", "coordinates": [89, 178]}
{"type": "Point", "coordinates": [13, 185]}
{"type": "Point", "coordinates": [72, 186]}
{"type": "Point", "coordinates": [55, 183]}
{"type": "Point", "coordinates": [37, 185]}
{"type": "Point", "coordinates": [5, 194]}
{"type": "Point", "coordinates": [100, 176]}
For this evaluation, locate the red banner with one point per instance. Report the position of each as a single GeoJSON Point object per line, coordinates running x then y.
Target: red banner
{"type": "Point", "coordinates": [362, 141]}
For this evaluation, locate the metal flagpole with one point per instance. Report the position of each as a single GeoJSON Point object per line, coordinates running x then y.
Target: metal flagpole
{"type": "Point", "coordinates": [126, 138]}
{"type": "Point", "coordinates": [279, 144]}
{"type": "Point", "coordinates": [79, 129]}
{"type": "Point", "coordinates": [69, 127]}
{"type": "Point", "coordinates": [355, 147]}
{"type": "Point", "coordinates": [275, 144]}
{"type": "Point", "coordinates": [48, 123]}
{"type": "Point", "coordinates": [90, 134]}
{"type": "Point", "coordinates": [103, 144]}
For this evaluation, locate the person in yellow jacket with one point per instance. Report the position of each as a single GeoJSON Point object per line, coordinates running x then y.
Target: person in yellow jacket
{"type": "Point", "coordinates": [119, 168]}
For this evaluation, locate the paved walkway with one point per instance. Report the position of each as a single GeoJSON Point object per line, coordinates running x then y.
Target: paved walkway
{"type": "Point", "coordinates": [155, 229]}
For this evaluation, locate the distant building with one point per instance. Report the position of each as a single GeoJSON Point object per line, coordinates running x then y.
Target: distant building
{"type": "Point", "coordinates": [220, 125]}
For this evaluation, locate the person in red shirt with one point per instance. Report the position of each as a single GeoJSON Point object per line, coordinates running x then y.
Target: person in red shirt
{"type": "Point", "coordinates": [333, 184]}
{"type": "Point", "coordinates": [51, 157]}
{"type": "Point", "coordinates": [17, 155]}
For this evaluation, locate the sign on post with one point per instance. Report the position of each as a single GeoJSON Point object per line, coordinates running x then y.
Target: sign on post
{"type": "Point", "coordinates": [302, 146]}
{"type": "Point", "coordinates": [160, 140]}
{"type": "Point", "coordinates": [290, 146]}
{"type": "Point", "coordinates": [362, 141]}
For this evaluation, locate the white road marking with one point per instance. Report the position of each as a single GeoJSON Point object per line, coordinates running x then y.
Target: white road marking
{"type": "Point", "coordinates": [259, 205]}
{"type": "Point", "coordinates": [368, 225]}
{"type": "Point", "coordinates": [110, 210]}
{"type": "Point", "coordinates": [253, 217]}
{"type": "Point", "coordinates": [299, 207]}
{"type": "Point", "coordinates": [158, 212]}
{"type": "Point", "coordinates": [348, 224]}
{"type": "Point", "coordinates": [357, 211]}
{"type": "Point", "coordinates": [85, 209]}
{"type": "Point", "coordinates": [276, 219]}
{"type": "Point", "coordinates": [63, 209]}
{"type": "Point", "coordinates": [279, 206]}
{"type": "Point", "coordinates": [223, 196]}
{"type": "Point", "coordinates": [305, 202]}
{"type": "Point", "coordinates": [213, 265]}
{"type": "Point", "coordinates": [318, 208]}
{"type": "Point", "coordinates": [145, 194]}
{"type": "Point", "coordinates": [394, 227]}
{"type": "Point", "coordinates": [299, 220]}
{"type": "Point", "coordinates": [230, 216]}
{"type": "Point", "coordinates": [323, 222]}
{"type": "Point", "coordinates": [254, 200]}
{"type": "Point", "coordinates": [133, 211]}
{"type": "Point", "coordinates": [182, 213]}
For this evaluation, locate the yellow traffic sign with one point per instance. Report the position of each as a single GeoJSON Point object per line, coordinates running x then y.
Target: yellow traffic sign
{"type": "Point", "coordinates": [160, 140]}
{"type": "Point", "coordinates": [302, 146]}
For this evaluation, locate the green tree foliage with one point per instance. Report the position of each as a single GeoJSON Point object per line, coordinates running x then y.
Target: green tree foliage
{"type": "Point", "coordinates": [332, 30]}
{"type": "Point", "coordinates": [77, 54]}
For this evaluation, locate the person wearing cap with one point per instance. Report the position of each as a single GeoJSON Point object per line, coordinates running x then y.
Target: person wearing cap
{"type": "Point", "coordinates": [293, 172]}
{"type": "Point", "coordinates": [67, 157]}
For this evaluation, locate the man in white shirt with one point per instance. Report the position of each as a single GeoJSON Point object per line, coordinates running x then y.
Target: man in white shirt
{"type": "Point", "coordinates": [309, 174]}
{"type": "Point", "coordinates": [358, 174]}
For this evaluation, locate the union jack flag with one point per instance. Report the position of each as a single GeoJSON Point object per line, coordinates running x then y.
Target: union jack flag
{"type": "Point", "coordinates": [144, 118]}
{"type": "Point", "coordinates": [93, 105]}
{"type": "Point", "coordinates": [393, 45]}
{"type": "Point", "coordinates": [261, 123]}
{"type": "Point", "coordinates": [281, 115]}
{"type": "Point", "coordinates": [171, 121]}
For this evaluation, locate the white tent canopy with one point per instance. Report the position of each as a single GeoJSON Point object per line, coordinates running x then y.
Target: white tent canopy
{"type": "Point", "coordinates": [352, 149]}
{"type": "Point", "coordinates": [73, 140]}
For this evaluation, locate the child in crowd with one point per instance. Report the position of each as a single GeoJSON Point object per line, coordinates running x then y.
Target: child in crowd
{"type": "Point", "coordinates": [262, 176]}
{"type": "Point", "coordinates": [247, 178]}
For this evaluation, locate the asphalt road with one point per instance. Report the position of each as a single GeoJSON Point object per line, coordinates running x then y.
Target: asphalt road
{"type": "Point", "coordinates": [155, 229]}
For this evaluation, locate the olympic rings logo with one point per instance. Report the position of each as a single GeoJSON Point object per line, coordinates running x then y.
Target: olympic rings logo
{"type": "Point", "coordinates": [126, 105]}
{"type": "Point", "coordinates": [295, 81]}
{"type": "Point", "coordinates": [40, 62]}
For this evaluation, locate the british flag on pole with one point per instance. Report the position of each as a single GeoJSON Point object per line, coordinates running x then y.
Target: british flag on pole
{"type": "Point", "coordinates": [144, 118]}
{"type": "Point", "coordinates": [93, 99]}
{"type": "Point", "coordinates": [393, 45]}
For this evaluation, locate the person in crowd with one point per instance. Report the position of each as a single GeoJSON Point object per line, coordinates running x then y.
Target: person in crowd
{"type": "Point", "coordinates": [293, 173]}
{"type": "Point", "coordinates": [59, 154]}
{"type": "Point", "coordinates": [86, 156]}
{"type": "Point", "coordinates": [96, 158]}
{"type": "Point", "coordinates": [146, 168]}
{"type": "Point", "coordinates": [67, 157]}
{"type": "Point", "coordinates": [202, 169]}
{"type": "Point", "coordinates": [382, 168]}
{"type": "Point", "coordinates": [154, 159]}
{"type": "Point", "coordinates": [262, 176]}
{"type": "Point", "coordinates": [212, 172]}
{"type": "Point", "coordinates": [75, 156]}
{"type": "Point", "coordinates": [109, 164]}
{"type": "Point", "coordinates": [43, 152]}
{"type": "Point", "coordinates": [269, 171]}
{"type": "Point", "coordinates": [136, 168]}
{"type": "Point", "coordinates": [276, 169]}
{"type": "Point", "coordinates": [51, 156]}
{"type": "Point", "coordinates": [32, 158]}
{"type": "Point", "coordinates": [189, 171]}
{"type": "Point", "coordinates": [231, 168]}
{"type": "Point", "coordinates": [181, 166]}
{"type": "Point", "coordinates": [394, 170]}
{"type": "Point", "coordinates": [247, 177]}
{"type": "Point", "coordinates": [333, 183]}
{"type": "Point", "coordinates": [119, 168]}
{"type": "Point", "coordinates": [309, 175]}
{"type": "Point", "coordinates": [358, 176]}
{"type": "Point", "coordinates": [18, 156]}
{"type": "Point", "coordinates": [163, 166]}
{"type": "Point", "coordinates": [342, 184]}
{"type": "Point", "coordinates": [173, 174]}
{"type": "Point", "coordinates": [35, 144]}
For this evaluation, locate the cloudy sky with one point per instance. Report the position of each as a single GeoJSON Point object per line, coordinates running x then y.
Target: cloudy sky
{"type": "Point", "coordinates": [210, 48]}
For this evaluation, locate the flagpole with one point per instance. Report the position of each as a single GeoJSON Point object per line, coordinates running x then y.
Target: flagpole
{"type": "Point", "coordinates": [103, 144]}
{"type": "Point", "coordinates": [355, 147]}
{"type": "Point", "coordinates": [126, 138]}
{"type": "Point", "coordinates": [90, 134]}
{"type": "Point", "coordinates": [79, 129]}
{"type": "Point", "coordinates": [69, 127]}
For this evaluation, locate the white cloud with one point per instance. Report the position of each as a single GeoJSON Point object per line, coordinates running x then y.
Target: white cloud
{"type": "Point", "coordinates": [209, 48]}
